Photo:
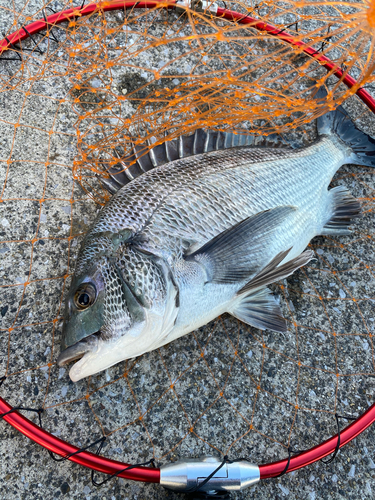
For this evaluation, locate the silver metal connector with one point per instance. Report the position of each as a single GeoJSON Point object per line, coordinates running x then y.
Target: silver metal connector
{"type": "Point", "coordinates": [197, 5]}
{"type": "Point", "coordinates": [189, 474]}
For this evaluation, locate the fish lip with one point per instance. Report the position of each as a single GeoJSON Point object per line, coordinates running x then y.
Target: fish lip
{"type": "Point", "coordinates": [77, 350]}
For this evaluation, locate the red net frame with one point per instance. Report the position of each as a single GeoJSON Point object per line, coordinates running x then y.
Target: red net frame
{"type": "Point", "coordinates": [101, 464]}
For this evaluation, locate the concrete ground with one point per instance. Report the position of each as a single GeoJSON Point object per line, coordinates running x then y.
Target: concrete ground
{"type": "Point", "coordinates": [225, 389]}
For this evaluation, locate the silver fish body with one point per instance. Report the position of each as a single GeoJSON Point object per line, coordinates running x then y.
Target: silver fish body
{"type": "Point", "coordinates": [197, 237]}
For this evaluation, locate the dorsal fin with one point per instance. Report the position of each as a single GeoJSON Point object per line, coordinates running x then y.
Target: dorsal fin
{"type": "Point", "coordinates": [146, 158]}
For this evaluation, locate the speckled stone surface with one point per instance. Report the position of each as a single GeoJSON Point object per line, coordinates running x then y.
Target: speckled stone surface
{"type": "Point", "coordinates": [225, 389]}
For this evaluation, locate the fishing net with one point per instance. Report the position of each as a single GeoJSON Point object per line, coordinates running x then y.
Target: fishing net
{"type": "Point", "coordinates": [75, 97]}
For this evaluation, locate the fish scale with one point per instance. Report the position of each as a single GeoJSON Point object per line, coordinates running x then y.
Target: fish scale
{"type": "Point", "coordinates": [146, 193]}
{"type": "Point", "coordinates": [178, 202]}
{"type": "Point", "coordinates": [243, 187]}
{"type": "Point", "coordinates": [143, 278]}
{"type": "Point", "coordinates": [202, 235]}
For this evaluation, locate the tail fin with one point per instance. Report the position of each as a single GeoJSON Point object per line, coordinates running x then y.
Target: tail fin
{"type": "Point", "coordinates": [338, 122]}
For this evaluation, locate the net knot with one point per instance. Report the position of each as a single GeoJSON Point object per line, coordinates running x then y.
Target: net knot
{"type": "Point", "coordinates": [67, 457]}
{"type": "Point", "coordinates": [129, 467]}
{"type": "Point", "coordinates": [337, 417]}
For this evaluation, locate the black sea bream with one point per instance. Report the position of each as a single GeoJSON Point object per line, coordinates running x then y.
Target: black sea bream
{"type": "Point", "coordinates": [202, 235]}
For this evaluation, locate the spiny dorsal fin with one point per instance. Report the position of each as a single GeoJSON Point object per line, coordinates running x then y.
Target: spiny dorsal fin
{"type": "Point", "coordinates": [145, 158]}
{"type": "Point", "coordinates": [231, 256]}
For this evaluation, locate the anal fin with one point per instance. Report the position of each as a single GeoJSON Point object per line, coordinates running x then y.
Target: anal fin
{"type": "Point", "coordinates": [345, 208]}
{"type": "Point", "coordinates": [259, 309]}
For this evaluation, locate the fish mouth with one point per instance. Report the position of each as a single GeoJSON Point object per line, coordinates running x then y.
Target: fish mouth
{"type": "Point", "coordinates": [78, 350]}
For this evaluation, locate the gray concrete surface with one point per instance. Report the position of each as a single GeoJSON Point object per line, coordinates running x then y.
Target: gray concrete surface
{"type": "Point", "coordinates": [261, 376]}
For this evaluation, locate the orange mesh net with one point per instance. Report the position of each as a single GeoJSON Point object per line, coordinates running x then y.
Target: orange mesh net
{"type": "Point", "coordinates": [154, 75]}
{"type": "Point", "coordinates": [73, 99]}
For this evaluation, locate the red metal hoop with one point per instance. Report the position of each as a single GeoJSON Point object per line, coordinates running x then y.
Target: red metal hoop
{"type": "Point", "coordinates": [60, 447]}
{"type": "Point", "coordinates": [321, 450]}
{"type": "Point", "coordinates": [101, 464]}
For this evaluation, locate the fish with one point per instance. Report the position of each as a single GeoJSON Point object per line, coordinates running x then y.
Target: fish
{"type": "Point", "coordinates": [200, 226]}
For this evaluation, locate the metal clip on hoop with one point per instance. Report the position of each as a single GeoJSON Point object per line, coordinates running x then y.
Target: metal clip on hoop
{"type": "Point", "coordinates": [208, 475]}
{"type": "Point", "coordinates": [196, 5]}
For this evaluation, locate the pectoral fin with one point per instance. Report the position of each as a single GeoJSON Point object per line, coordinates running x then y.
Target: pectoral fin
{"type": "Point", "coordinates": [259, 309]}
{"type": "Point", "coordinates": [230, 256]}
{"type": "Point", "coordinates": [273, 272]}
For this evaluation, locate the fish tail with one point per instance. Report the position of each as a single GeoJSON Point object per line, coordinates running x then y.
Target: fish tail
{"type": "Point", "coordinates": [361, 146]}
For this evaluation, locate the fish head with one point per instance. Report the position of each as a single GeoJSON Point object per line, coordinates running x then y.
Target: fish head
{"type": "Point", "coordinates": [84, 306]}
{"type": "Point", "coordinates": [120, 305]}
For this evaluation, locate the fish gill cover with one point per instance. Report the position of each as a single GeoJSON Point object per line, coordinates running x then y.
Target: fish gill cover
{"type": "Point", "coordinates": [73, 99]}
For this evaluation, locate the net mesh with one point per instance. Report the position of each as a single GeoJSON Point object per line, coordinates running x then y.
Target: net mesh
{"type": "Point", "coordinates": [73, 99]}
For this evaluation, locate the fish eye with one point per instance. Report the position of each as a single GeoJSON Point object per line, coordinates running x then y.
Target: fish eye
{"type": "Point", "coordinates": [85, 296]}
